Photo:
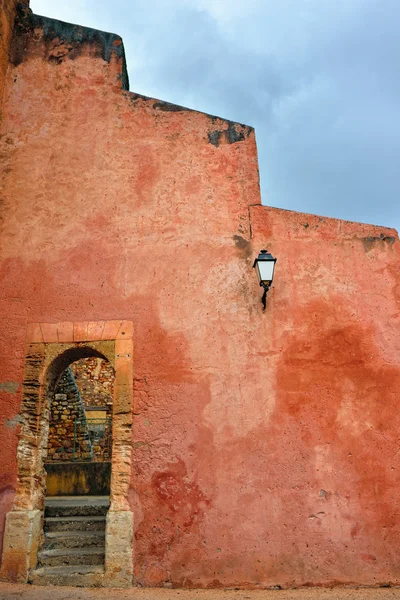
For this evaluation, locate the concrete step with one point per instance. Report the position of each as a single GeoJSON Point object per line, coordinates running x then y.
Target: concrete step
{"type": "Point", "coordinates": [76, 576]}
{"type": "Point", "coordinates": [57, 540]}
{"type": "Point", "coordinates": [71, 556]}
{"type": "Point", "coordinates": [82, 506]}
{"type": "Point", "coordinates": [75, 523]}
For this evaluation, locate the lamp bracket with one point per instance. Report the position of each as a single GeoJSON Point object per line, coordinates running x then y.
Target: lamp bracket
{"type": "Point", "coordinates": [266, 287]}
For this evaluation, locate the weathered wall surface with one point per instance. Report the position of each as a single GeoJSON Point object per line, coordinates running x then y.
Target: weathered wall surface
{"type": "Point", "coordinates": [332, 342]}
{"type": "Point", "coordinates": [7, 388]}
{"type": "Point", "coordinates": [7, 17]}
{"type": "Point", "coordinates": [265, 445]}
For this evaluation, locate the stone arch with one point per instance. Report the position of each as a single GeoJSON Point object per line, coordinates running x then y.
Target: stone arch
{"type": "Point", "coordinates": [66, 358]}
{"type": "Point", "coordinates": [54, 372]}
{"type": "Point", "coordinates": [68, 437]}
{"type": "Point", "coordinates": [46, 358]}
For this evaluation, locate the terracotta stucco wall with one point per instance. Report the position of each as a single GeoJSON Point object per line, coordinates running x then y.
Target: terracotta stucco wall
{"type": "Point", "coordinates": [7, 388]}
{"type": "Point", "coordinates": [332, 345]}
{"type": "Point", "coordinates": [264, 444]}
{"type": "Point", "coordinates": [7, 17]}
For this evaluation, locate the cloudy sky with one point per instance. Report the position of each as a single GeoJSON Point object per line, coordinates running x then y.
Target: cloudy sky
{"type": "Point", "coordinates": [318, 79]}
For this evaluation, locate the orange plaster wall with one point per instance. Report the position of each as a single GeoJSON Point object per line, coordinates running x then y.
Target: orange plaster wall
{"type": "Point", "coordinates": [264, 444]}
{"type": "Point", "coordinates": [7, 15]}
{"type": "Point", "coordinates": [10, 383]}
{"type": "Point", "coordinates": [332, 344]}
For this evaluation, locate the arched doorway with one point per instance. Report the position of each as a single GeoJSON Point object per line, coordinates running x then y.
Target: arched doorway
{"type": "Point", "coordinates": [78, 468]}
{"type": "Point", "coordinates": [47, 359]}
{"type": "Point", "coordinates": [79, 443]}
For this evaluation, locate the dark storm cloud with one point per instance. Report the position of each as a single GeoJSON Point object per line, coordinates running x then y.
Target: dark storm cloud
{"type": "Point", "coordinates": [316, 78]}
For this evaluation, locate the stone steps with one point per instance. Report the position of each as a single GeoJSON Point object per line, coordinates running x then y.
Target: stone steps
{"type": "Point", "coordinates": [71, 557]}
{"type": "Point", "coordinates": [54, 524]}
{"type": "Point", "coordinates": [74, 541]}
{"type": "Point", "coordinates": [76, 576]}
{"type": "Point", "coordinates": [76, 506]}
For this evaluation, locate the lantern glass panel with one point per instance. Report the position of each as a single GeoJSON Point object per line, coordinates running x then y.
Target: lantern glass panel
{"type": "Point", "coordinates": [258, 272]}
{"type": "Point", "coordinates": [265, 270]}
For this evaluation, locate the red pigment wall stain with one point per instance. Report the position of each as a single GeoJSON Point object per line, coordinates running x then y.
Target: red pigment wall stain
{"type": "Point", "coordinates": [266, 445]}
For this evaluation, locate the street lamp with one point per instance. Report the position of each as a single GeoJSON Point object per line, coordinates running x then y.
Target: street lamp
{"type": "Point", "coordinates": [265, 266]}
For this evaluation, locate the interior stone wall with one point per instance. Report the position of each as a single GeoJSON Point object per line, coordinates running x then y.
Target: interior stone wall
{"type": "Point", "coordinates": [68, 437]}
{"type": "Point", "coordinates": [95, 380]}
{"type": "Point", "coordinates": [86, 384]}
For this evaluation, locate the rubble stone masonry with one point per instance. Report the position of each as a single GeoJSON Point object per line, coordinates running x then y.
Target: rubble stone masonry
{"type": "Point", "coordinates": [68, 436]}
{"type": "Point", "coordinates": [95, 380]}
{"type": "Point", "coordinates": [87, 384]}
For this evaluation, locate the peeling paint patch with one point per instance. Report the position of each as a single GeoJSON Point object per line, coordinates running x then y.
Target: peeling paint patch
{"type": "Point", "coordinates": [234, 133]}
{"type": "Point", "coordinates": [370, 241]}
{"type": "Point", "coordinates": [159, 104]}
{"type": "Point", "coordinates": [9, 386]}
{"type": "Point", "coordinates": [64, 40]}
{"type": "Point", "coordinates": [6, 489]}
{"type": "Point", "coordinates": [168, 107]}
{"type": "Point", "coordinates": [134, 96]}
{"type": "Point", "coordinates": [214, 137]}
{"type": "Point", "coordinates": [243, 245]}
{"type": "Point", "coordinates": [14, 422]}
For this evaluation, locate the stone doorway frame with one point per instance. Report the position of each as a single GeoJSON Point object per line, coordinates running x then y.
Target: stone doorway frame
{"type": "Point", "coordinates": [50, 348]}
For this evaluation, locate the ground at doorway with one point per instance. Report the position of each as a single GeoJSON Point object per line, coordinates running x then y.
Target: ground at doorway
{"type": "Point", "coordinates": [32, 592]}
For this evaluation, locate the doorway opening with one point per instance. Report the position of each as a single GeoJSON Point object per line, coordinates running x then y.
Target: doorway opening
{"type": "Point", "coordinates": [77, 465]}
{"type": "Point", "coordinates": [79, 444]}
{"type": "Point", "coordinates": [78, 468]}
{"type": "Point", "coordinates": [71, 426]}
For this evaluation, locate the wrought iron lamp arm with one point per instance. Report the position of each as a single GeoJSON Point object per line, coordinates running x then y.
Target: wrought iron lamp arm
{"type": "Point", "coordinates": [266, 287]}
